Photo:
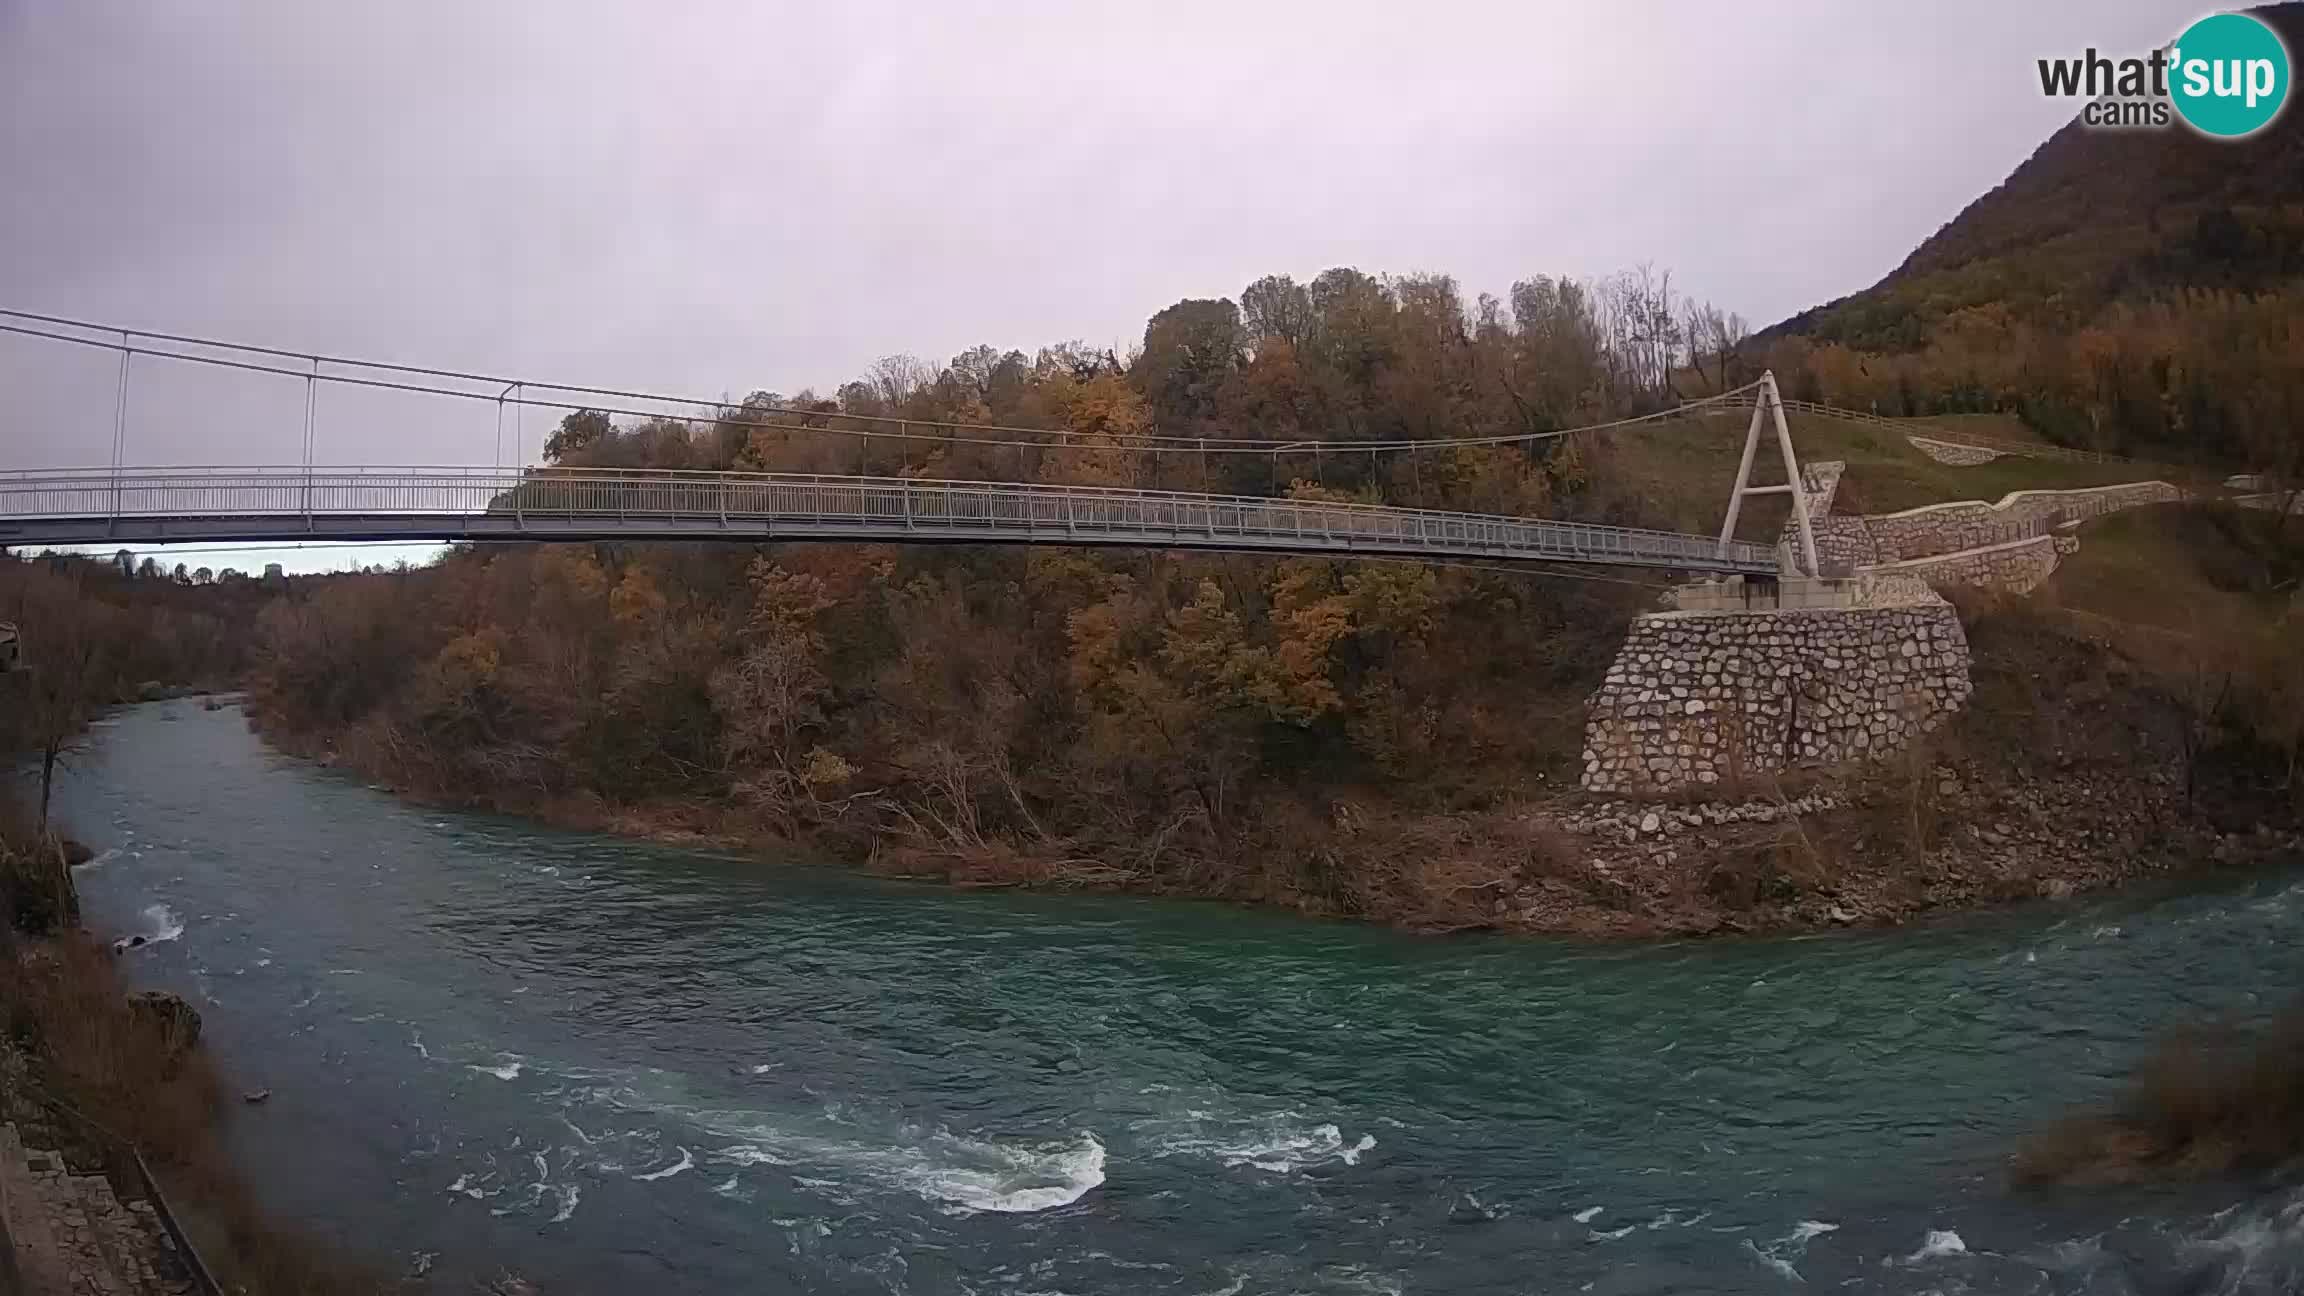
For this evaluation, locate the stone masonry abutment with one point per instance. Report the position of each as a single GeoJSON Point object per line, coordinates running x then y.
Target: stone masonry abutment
{"type": "Point", "coordinates": [1702, 698]}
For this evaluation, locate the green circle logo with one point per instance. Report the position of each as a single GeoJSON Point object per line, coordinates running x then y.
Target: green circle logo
{"type": "Point", "coordinates": [2228, 75]}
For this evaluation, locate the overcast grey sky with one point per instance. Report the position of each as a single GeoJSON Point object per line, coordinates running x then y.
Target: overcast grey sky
{"type": "Point", "coordinates": [717, 197]}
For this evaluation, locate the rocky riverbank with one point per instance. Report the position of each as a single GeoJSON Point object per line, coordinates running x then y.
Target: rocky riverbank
{"type": "Point", "coordinates": [1871, 847]}
{"type": "Point", "coordinates": [90, 1071]}
{"type": "Point", "coordinates": [1868, 853]}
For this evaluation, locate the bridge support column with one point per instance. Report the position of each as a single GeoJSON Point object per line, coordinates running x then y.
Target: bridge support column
{"type": "Point", "coordinates": [1768, 406]}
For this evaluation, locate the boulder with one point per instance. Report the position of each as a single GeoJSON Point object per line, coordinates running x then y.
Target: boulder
{"type": "Point", "coordinates": [178, 1021]}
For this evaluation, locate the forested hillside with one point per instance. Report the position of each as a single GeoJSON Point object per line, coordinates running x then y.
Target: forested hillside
{"type": "Point", "coordinates": [1225, 725]}
{"type": "Point", "coordinates": [2127, 290]}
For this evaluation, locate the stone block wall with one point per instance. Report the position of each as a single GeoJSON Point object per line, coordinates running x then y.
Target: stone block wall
{"type": "Point", "coordinates": [1697, 698]}
{"type": "Point", "coordinates": [2274, 501]}
{"type": "Point", "coordinates": [1838, 538]}
{"type": "Point", "coordinates": [1944, 528]}
{"type": "Point", "coordinates": [2016, 568]}
{"type": "Point", "coordinates": [1952, 452]}
{"type": "Point", "coordinates": [1844, 538]}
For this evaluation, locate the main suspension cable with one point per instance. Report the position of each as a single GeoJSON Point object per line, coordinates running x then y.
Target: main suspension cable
{"type": "Point", "coordinates": [750, 415]}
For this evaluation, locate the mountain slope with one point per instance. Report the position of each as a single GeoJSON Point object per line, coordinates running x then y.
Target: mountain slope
{"type": "Point", "coordinates": [2095, 216]}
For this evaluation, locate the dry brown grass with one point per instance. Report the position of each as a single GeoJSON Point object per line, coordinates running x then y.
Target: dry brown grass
{"type": "Point", "coordinates": [2214, 1101]}
{"type": "Point", "coordinates": [126, 1069]}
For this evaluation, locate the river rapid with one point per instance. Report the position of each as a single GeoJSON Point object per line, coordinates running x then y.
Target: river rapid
{"type": "Point", "coordinates": [614, 1067]}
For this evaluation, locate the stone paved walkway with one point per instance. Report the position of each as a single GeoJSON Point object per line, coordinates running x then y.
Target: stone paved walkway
{"type": "Point", "coordinates": [72, 1235]}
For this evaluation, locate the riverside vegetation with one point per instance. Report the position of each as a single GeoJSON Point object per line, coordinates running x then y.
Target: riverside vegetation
{"type": "Point", "coordinates": [2210, 1101]}
{"type": "Point", "coordinates": [99, 634]}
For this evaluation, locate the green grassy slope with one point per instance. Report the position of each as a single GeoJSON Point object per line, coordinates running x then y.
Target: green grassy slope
{"type": "Point", "coordinates": [1677, 474]}
{"type": "Point", "coordinates": [2188, 570]}
{"type": "Point", "coordinates": [1995, 427]}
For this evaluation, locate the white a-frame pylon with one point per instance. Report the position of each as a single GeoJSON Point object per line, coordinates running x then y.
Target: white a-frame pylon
{"type": "Point", "coordinates": [1767, 404]}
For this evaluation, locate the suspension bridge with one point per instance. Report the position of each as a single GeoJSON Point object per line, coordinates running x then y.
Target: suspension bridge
{"type": "Point", "coordinates": [123, 503]}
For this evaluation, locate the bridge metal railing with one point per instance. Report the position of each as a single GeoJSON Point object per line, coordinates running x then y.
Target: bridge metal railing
{"type": "Point", "coordinates": [452, 502]}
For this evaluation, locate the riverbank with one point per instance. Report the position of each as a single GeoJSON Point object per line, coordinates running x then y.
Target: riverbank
{"type": "Point", "coordinates": [89, 1071]}
{"type": "Point", "coordinates": [2074, 770]}
{"type": "Point", "coordinates": [1593, 868]}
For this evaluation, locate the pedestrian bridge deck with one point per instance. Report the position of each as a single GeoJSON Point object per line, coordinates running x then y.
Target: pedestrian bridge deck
{"type": "Point", "coordinates": [157, 505]}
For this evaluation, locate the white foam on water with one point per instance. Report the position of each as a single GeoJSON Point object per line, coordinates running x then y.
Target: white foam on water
{"type": "Point", "coordinates": [746, 1154]}
{"type": "Point", "coordinates": [163, 923]}
{"type": "Point", "coordinates": [1355, 1278]}
{"type": "Point", "coordinates": [1588, 1214]}
{"type": "Point", "coordinates": [502, 1071]}
{"type": "Point", "coordinates": [1278, 1145]}
{"type": "Point", "coordinates": [1938, 1244]}
{"type": "Point", "coordinates": [686, 1162]}
{"type": "Point", "coordinates": [963, 1175]}
{"type": "Point", "coordinates": [1780, 1253]}
{"type": "Point", "coordinates": [1775, 1262]}
{"type": "Point", "coordinates": [1610, 1235]}
{"type": "Point", "coordinates": [1806, 1230]}
{"type": "Point", "coordinates": [1030, 1180]}
{"type": "Point", "coordinates": [568, 1194]}
{"type": "Point", "coordinates": [2261, 1243]}
{"type": "Point", "coordinates": [100, 859]}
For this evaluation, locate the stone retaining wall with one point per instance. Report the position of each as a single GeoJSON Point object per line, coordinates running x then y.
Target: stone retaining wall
{"type": "Point", "coordinates": [1946, 528]}
{"type": "Point", "coordinates": [1698, 698]}
{"type": "Point", "coordinates": [2273, 500]}
{"type": "Point", "coordinates": [1952, 452]}
{"type": "Point", "coordinates": [1839, 539]}
{"type": "Point", "coordinates": [1844, 538]}
{"type": "Point", "coordinates": [2017, 567]}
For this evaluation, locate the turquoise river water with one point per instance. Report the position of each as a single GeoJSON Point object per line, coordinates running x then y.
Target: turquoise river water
{"type": "Point", "coordinates": [614, 1067]}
